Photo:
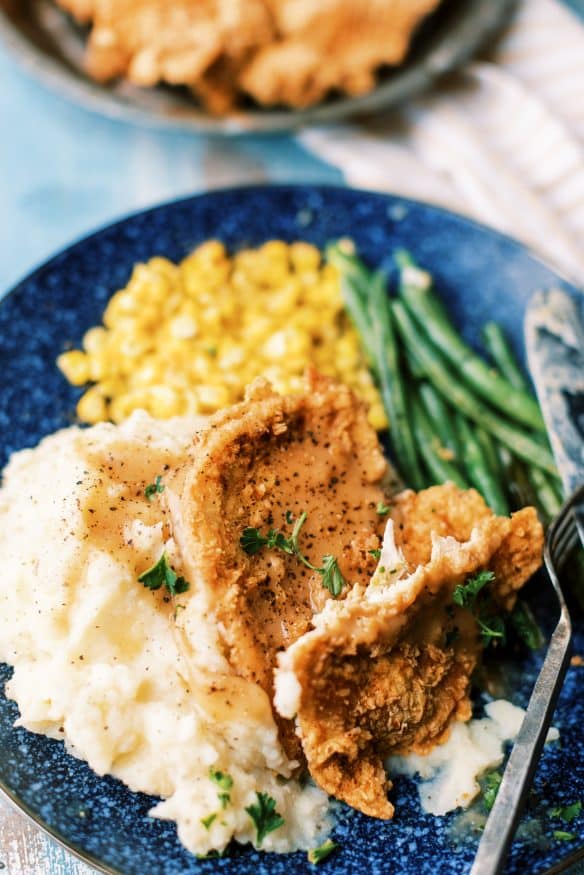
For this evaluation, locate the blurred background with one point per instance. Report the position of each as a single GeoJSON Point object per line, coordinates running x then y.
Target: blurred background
{"type": "Point", "coordinates": [517, 110]}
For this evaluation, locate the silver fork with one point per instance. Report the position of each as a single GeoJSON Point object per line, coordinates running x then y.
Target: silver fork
{"type": "Point", "coordinates": [562, 537]}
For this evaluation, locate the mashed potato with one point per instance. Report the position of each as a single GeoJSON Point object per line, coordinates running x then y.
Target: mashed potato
{"type": "Point", "coordinates": [98, 659]}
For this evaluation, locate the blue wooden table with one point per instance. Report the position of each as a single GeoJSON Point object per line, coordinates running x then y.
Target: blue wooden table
{"type": "Point", "coordinates": [65, 171]}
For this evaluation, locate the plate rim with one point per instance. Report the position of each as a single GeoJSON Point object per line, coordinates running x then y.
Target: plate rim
{"type": "Point", "coordinates": [247, 191]}
{"type": "Point", "coordinates": [282, 187]}
{"type": "Point", "coordinates": [420, 76]}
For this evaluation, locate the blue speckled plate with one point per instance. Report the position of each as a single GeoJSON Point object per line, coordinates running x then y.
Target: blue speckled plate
{"type": "Point", "coordinates": [481, 275]}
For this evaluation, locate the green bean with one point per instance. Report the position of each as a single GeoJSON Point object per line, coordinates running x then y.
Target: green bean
{"type": "Point", "coordinates": [490, 453]}
{"type": "Point", "coordinates": [547, 488]}
{"type": "Point", "coordinates": [414, 365]}
{"type": "Point", "coordinates": [429, 312]}
{"type": "Point", "coordinates": [440, 417]}
{"type": "Point", "coordinates": [350, 265]}
{"type": "Point", "coordinates": [439, 468]}
{"type": "Point", "coordinates": [391, 382]}
{"type": "Point", "coordinates": [519, 487]}
{"type": "Point", "coordinates": [498, 347]}
{"type": "Point", "coordinates": [548, 502]}
{"type": "Point", "coordinates": [461, 398]}
{"type": "Point", "coordinates": [478, 470]}
{"type": "Point", "coordinates": [355, 283]}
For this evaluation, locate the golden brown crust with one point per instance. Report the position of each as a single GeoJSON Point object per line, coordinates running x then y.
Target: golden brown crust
{"type": "Point", "coordinates": [255, 463]}
{"type": "Point", "coordinates": [387, 672]}
{"type": "Point", "coordinates": [289, 52]}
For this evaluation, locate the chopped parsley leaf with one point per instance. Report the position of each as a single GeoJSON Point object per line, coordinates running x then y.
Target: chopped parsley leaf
{"type": "Point", "coordinates": [563, 836]}
{"type": "Point", "coordinates": [375, 553]}
{"type": "Point", "coordinates": [465, 593]}
{"type": "Point", "coordinates": [382, 509]}
{"type": "Point", "coordinates": [153, 488]}
{"type": "Point", "coordinates": [332, 579]}
{"type": "Point", "coordinates": [316, 855]}
{"type": "Point", "coordinates": [162, 574]}
{"type": "Point", "coordinates": [264, 815]}
{"type": "Point", "coordinates": [207, 821]}
{"type": "Point", "coordinates": [252, 541]}
{"type": "Point", "coordinates": [225, 783]}
{"type": "Point", "coordinates": [568, 813]}
{"type": "Point", "coordinates": [289, 517]}
{"type": "Point", "coordinates": [491, 627]}
{"type": "Point", "coordinates": [491, 783]}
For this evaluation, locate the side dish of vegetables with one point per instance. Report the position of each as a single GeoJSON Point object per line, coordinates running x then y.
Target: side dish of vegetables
{"type": "Point", "coordinates": [453, 415]}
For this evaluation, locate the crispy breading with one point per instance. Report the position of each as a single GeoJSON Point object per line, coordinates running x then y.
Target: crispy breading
{"type": "Point", "coordinates": [289, 52]}
{"type": "Point", "coordinates": [445, 510]}
{"type": "Point", "coordinates": [334, 44]}
{"type": "Point", "coordinates": [256, 465]}
{"type": "Point", "coordinates": [387, 670]}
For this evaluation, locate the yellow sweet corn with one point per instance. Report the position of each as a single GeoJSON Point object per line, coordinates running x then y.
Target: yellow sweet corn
{"type": "Point", "coordinates": [188, 337]}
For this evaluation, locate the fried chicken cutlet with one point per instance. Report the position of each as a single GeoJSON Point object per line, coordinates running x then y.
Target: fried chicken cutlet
{"type": "Point", "coordinates": [287, 52]}
{"type": "Point", "coordinates": [384, 667]}
{"type": "Point", "coordinates": [387, 670]}
{"type": "Point", "coordinates": [261, 464]}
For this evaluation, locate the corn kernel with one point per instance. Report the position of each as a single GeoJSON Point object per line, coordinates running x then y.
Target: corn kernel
{"type": "Point", "coordinates": [304, 256]}
{"type": "Point", "coordinates": [74, 365]}
{"type": "Point", "coordinates": [212, 397]}
{"type": "Point", "coordinates": [376, 416]}
{"type": "Point", "coordinates": [92, 407]}
{"type": "Point", "coordinates": [94, 339]}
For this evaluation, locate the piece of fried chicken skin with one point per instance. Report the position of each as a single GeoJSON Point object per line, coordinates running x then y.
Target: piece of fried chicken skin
{"type": "Point", "coordinates": [387, 670]}
{"type": "Point", "coordinates": [262, 464]}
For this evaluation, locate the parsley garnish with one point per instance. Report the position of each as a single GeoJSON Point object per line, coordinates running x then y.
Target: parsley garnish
{"type": "Point", "coordinates": [225, 783]}
{"type": "Point", "coordinates": [382, 509]}
{"type": "Point", "coordinates": [466, 596]}
{"type": "Point", "coordinates": [264, 815]}
{"type": "Point", "coordinates": [491, 783]}
{"type": "Point", "coordinates": [252, 541]}
{"type": "Point", "coordinates": [563, 836]}
{"type": "Point", "coordinates": [161, 573]}
{"type": "Point", "coordinates": [153, 488]}
{"type": "Point", "coordinates": [465, 593]}
{"type": "Point", "coordinates": [376, 554]}
{"type": "Point", "coordinates": [568, 813]}
{"type": "Point", "coordinates": [332, 579]}
{"type": "Point", "coordinates": [316, 855]}
{"type": "Point", "coordinates": [207, 821]}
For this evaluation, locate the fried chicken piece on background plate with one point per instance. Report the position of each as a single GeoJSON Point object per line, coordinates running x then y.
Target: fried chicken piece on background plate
{"type": "Point", "coordinates": [333, 44]}
{"type": "Point", "coordinates": [173, 41]}
{"type": "Point", "coordinates": [261, 464]}
{"type": "Point", "coordinates": [289, 52]}
{"type": "Point", "coordinates": [388, 669]}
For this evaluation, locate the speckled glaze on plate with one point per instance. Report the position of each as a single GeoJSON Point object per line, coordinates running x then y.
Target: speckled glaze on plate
{"type": "Point", "coordinates": [50, 46]}
{"type": "Point", "coordinates": [481, 275]}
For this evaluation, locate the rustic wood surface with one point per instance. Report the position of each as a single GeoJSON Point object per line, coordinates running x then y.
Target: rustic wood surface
{"type": "Point", "coordinates": [25, 850]}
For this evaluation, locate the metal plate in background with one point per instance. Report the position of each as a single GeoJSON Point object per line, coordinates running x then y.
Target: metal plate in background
{"type": "Point", "coordinates": [50, 46]}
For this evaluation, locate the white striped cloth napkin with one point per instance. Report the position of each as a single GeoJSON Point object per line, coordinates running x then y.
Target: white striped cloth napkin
{"type": "Point", "coordinates": [502, 141]}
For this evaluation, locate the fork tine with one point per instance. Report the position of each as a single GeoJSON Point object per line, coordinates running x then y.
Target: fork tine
{"type": "Point", "coordinates": [561, 539]}
{"type": "Point", "coordinates": [579, 512]}
{"type": "Point", "coordinates": [563, 547]}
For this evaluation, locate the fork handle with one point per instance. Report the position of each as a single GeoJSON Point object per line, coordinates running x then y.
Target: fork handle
{"type": "Point", "coordinates": [504, 817]}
